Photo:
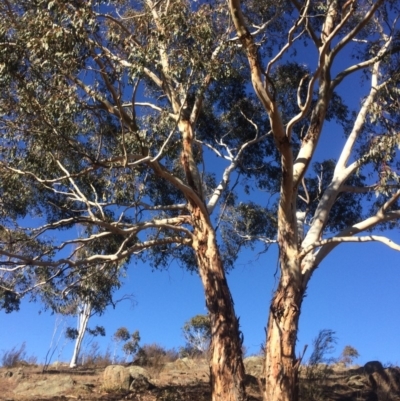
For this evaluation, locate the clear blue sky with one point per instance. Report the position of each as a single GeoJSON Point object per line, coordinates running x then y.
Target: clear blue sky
{"type": "Point", "coordinates": [355, 293]}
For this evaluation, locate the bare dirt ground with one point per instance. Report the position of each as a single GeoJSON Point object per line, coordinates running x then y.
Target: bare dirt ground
{"type": "Point", "coordinates": [188, 380]}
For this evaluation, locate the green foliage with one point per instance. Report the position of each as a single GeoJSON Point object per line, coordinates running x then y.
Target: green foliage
{"type": "Point", "coordinates": [131, 347]}
{"type": "Point", "coordinates": [76, 135]}
{"type": "Point", "coordinates": [71, 333]}
{"type": "Point", "coordinates": [122, 334]}
{"type": "Point", "coordinates": [9, 301]}
{"type": "Point", "coordinates": [97, 331]}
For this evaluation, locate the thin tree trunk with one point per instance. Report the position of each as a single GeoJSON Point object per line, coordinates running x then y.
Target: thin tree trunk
{"type": "Point", "coordinates": [83, 319]}
{"type": "Point", "coordinates": [281, 365]}
{"type": "Point", "coordinates": [226, 362]}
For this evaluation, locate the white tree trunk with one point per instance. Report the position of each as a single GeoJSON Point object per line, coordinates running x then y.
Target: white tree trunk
{"type": "Point", "coordinates": [83, 319]}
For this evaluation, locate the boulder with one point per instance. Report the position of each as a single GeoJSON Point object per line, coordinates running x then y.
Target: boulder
{"type": "Point", "coordinates": [254, 365]}
{"type": "Point", "coordinates": [116, 377]}
{"type": "Point", "coordinates": [137, 371]}
{"type": "Point", "coordinates": [372, 367]}
{"type": "Point", "coordinates": [140, 384]}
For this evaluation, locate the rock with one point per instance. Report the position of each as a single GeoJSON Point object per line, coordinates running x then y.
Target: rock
{"type": "Point", "coordinates": [19, 374]}
{"type": "Point", "coordinates": [254, 365]}
{"type": "Point", "coordinates": [140, 383]}
{"type": "Point", "coordinates": [136, 371]}
{"type": "Point", "coordinates": [386, 382]}
{"type": "Point", "coordinates": [373, 366]}
{"type": "Point", "coordinates": [46, 387]}
{"type": "Point", "coordinates": [357, 381]}
{"type": "Point", "coordinates": [116, 377]}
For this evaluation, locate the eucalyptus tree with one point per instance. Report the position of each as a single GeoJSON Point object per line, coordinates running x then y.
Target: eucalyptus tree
{"type": "Point", "coordinates": [91, 297]}
{"type": "Point", "coordinates": [352, 191]}
{"type": "Point", "coordinates": [131, 120]}
{"type": "Point", "coordinates": [140, 120]}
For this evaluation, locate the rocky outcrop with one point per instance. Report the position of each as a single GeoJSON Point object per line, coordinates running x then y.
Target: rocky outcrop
{"type": "Point", "coordinates": [46, 387]}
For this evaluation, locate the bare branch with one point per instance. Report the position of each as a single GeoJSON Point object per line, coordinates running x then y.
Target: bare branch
{"type": "Point", "coordinates": [364, 21]}
{"type": "Point", "coordinates": [228, 171]}
{"type": "Point", "coordinates": [338, 240]}
{"type": "Point", "coordinates": [291, 38]}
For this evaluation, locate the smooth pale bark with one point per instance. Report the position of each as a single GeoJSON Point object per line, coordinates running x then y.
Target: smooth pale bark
{"type": "Point", "coordinates": [83, 319]}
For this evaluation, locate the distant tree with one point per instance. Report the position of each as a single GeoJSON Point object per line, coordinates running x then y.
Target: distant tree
{"type": "Point", "coordinates": [131, 347]}
{"type": "Point", "coordinates": [76, 335]}
{"type": "Point", "coordinates": [348, 355]}
{"type": "Point", "coordinates": [121, 335]}
{"type": "Point", "coordinates": [88, 298]}
{"type": "Point", "coordinates": [197, 333]}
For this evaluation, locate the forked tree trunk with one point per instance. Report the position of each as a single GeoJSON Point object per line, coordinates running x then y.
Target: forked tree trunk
{"type": "Point", "coordinates": [226, 362]}
{"type": "Point", "coordinates": [281, 365]}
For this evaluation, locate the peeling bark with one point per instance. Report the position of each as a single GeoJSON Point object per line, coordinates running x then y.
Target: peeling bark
{"type": "Point", "coordinates": [281, 365]}
{"type": "Point", "coordinates": [226, 362]}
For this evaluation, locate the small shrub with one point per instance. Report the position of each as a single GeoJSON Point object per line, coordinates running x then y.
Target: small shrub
{"type": "Point", "coordinates": [349, 354]}
{"type": "Point", "coordinates": [17, 357]}
{"type": "Point", "coordinates": [317, 371]}
{"type": "Point", "coordinates": [154, 357]}
{"type": "Point", "coordinates": [190, 352]}
{"type": "Point", "coordinates": [94, 358]}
